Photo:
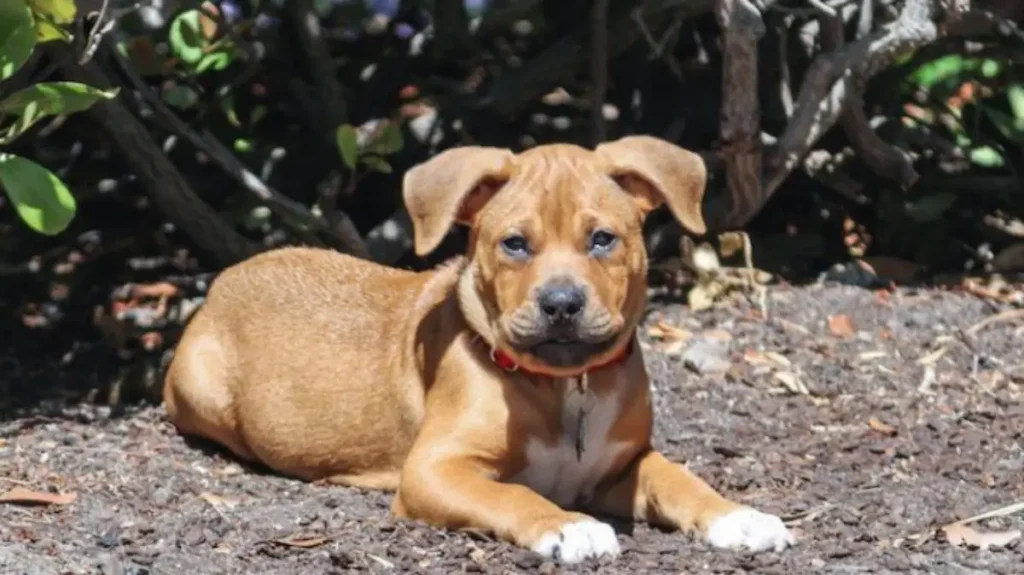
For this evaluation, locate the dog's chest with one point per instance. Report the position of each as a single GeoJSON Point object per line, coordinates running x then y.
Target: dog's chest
{"type": "Point", "coordinates": [567, 469]}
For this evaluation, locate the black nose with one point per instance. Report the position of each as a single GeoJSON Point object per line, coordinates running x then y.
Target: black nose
{"type": "Point", "coordinates": [561, 302]}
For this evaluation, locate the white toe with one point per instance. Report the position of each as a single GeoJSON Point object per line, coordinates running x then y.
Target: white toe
{"type": "Point", "coordinates": [574, 542]}
{"type": "Point", "coordinates": [749, 529]}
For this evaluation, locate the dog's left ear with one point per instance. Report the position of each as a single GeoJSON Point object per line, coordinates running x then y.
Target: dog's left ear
{"type": "Point", "coordinates": [654, 171]}
{"type": "Point", "coordinates": [452, 187]}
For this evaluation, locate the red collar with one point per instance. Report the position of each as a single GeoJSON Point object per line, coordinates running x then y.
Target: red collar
{"type": "Point", "coordinates": [505, 361]}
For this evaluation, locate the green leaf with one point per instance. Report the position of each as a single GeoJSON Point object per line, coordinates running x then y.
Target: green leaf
{"type": "Point", "coordinates": [227, 105]}
{"type": "Point", "coordinates": [377, 164]}
{"type": "Point", "coordinates": [17, 36]}
{"type": "Point", "coordinates": [186, 37]}
{"type": "Point", "coordinates": [348, 145]}
{"type": "Point", "coordinates": [57, 11]}
{"type": "Point", "coordinates": [1015, 94]}
{"type": "Point", "coordinates": [389, 141]}
{"type": "Point", "coordinates": [1010, 127]}
{"type": "Point", "coordinates": [987, 157]}
{"type": "Point", "coordinates": [180, 96]}
{"type": "Point", "coordinates": [54, 98]}
{"type": "Point", "coordinates": [930, 208]}
{"type": "Point", "coordinates": [216, 61]}
{"type": "Point", "coordinates": [242, 146]}
{"type": "Point", "coordinates": [50, 99]}
{"type": "Point", "coordinates": [40, 198]}
{"type": "Point", "coordinates": [50, 16]}
{"type": "Point", "coordinates": [257, 114]}
{"type": "Point", "coordinates": [47, 31]}
{"type": "Point", "coordinates": [990, 68]}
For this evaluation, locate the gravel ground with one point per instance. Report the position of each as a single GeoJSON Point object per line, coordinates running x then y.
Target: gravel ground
{"type": "Point", "coordinates": [857, 429]}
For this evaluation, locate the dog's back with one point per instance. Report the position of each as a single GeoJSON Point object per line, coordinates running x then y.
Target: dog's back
{"type": "Point", "coordinates": [241, 353]}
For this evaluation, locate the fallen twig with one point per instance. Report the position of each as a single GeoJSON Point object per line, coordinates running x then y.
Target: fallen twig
{"type": "Point", "coordinates": [1008, 315]}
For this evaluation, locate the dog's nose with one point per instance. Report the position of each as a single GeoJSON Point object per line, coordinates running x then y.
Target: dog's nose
{"type": "Point", "coordinates": [562, 302]}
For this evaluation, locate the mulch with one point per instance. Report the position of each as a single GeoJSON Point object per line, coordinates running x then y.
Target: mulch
{"type": "Point", "coordinates": [867, 419]}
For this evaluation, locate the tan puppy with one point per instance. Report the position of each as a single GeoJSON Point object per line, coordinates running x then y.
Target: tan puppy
{"type": "Point", "coordinates": [502, 391]}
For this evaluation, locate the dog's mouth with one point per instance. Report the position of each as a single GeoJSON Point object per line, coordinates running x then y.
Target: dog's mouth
{"type": "Point", "coordinates": [566, 352]}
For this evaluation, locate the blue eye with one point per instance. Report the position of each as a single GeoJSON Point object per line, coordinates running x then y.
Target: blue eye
{"type": "Point", "coordinates": [515, 246]}
{"type": "Point", "coordinates": [602, 241]}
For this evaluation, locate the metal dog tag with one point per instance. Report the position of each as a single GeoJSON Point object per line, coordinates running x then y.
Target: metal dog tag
{"type": "Point", "coordinates": [586, 406]}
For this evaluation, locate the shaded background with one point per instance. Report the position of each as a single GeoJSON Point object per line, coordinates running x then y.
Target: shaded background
{"type": "Point", "coordinates": [882, 135]}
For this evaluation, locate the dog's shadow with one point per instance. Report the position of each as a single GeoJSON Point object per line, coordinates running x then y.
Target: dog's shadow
{"type": "Point", "coordinates": [215, 451]}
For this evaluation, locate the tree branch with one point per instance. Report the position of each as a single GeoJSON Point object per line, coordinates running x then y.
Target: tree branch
{"type": "Point", "coordinates": [160, 179]}
{"type": "Point", "coordinates": [281, 205]}
{"type": "Point", "coordinates": [828, 86]}
{"type": "Point", "coordinates": [321, 70]}
{"type": "Point", "coordinates": [742, 28]}
{"type": "Point", "coordinates": [885, 160]}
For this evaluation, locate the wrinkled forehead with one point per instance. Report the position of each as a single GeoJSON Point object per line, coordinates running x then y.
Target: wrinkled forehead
{"type": "Point", "coordinates": [554, 187]}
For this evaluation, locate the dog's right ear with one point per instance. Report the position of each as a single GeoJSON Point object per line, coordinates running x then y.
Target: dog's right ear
{"type": "Point", "coordinates": [452, 187]}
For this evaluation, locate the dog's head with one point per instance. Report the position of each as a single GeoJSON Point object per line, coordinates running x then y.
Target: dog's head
{"type": "Point", "coordinates": [557, 262]}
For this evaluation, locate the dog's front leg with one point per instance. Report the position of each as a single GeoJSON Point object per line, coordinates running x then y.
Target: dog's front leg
{"type": "Point", "coordinates": [458, 494]}
{"type": "Point", "coordinates": [667, 494]}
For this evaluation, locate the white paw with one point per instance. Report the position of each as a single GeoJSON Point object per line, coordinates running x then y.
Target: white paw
{"type": "Point", "coordinates": [577, 541]}
{"type": "Point", "coordinates": [749, 529]}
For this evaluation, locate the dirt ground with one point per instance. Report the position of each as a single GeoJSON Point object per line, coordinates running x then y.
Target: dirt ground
{"type": "Point", "coordinates": [858, 430]}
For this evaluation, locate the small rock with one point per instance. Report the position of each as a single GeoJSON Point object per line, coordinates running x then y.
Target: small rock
{"type": "Point", "coordinates": [161, 497]}
{"type": "Point", "coordinates": [194, 536]}
{"type": "Point", "coordinates": [110, 565]}
{"type": "Point", "coordinates": [707, 355]}
{"type": "Point", "coordinates": [109, 538]}
{"type": "Point", "coordinates": [525, 559]}
{"type": "Point", "coordinates": [341, 558]}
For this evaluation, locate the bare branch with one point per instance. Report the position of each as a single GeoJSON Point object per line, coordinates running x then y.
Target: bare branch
{"type": "Point", "coordinates": [884, 159]}
{"type": "Point", "coordinates": [828, 86]}
{"type": "Point", "coordinates": [161, 180]}
{"type": "Point", "coordinates": [742, 27]}
{"type": "Point", "coordinates": [221, 156]}
{"type": "Point", "coordinates": [320, 67]}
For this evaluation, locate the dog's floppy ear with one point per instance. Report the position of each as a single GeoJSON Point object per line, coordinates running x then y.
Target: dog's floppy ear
{"type": "Point", "coordinates": [654, 171]}
{"type": "Point", "coordinates": [451, 188]}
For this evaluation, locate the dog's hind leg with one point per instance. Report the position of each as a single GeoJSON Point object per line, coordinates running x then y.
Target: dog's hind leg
{"type": "Point", "coordinates": [196, 393]}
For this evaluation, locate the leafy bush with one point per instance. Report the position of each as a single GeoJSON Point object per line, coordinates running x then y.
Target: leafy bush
{"type": "Point", "coordinates": [41, 199]}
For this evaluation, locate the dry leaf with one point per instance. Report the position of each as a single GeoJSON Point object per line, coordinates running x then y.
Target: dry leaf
{"type": "Point", "coordinates": [960, 534]}
{"type": "Point", "coordinates": [778, 358]}
{"type": "Point", "coordinates": [792, 382]}
{"type": "Point", "coordinates": [754, 357]}
{"type": "Point", "coordinates": [730, 243]}
{"type": "Point", "coordinates": [217, 500]}
{"type": "Point", "coordinates": [665, 331]}
{"type": "Point", "coordinates": [22, 496]}
{"type": "Point", "coordinates": [704, 259]}
{"type": "Point", "coordinates": [841, 325]}
{"type": "Point", "coordinates": [719, 334]}
{"type": "Point", "coordinates": [296, 540]}
{"type": "Point", "coordinates": [881, 426]}
{"type": "Point", "coordinates": [700, 298]}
